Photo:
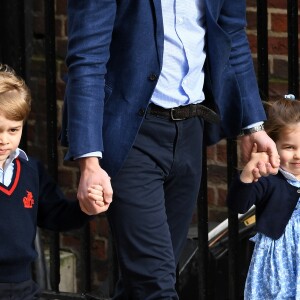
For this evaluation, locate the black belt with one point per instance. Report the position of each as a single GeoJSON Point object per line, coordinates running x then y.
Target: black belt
{"type": "Point", "coordinates": [184, 112]}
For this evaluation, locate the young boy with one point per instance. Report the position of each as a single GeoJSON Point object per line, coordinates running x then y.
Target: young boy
{"type": "Point", "coordinates": [29, 197]}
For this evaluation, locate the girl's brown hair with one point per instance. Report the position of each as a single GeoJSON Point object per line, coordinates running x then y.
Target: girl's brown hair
{"type": "Point", "coordinates": [281, 114]}
{"type": "Point", "coordinates": [15, 96]}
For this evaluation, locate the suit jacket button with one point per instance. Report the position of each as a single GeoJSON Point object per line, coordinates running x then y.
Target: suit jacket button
{"type": "Point", "coordinates": [141, 112]}
{"type": "Point", "coordinates": [152, 77]}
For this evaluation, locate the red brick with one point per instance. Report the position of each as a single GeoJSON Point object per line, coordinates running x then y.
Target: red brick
{"type": "Point", "coordinates": [278, 45]}
{"type": "Point", "coordinates": [252, 42]}
{"type": "Point", "coordinates": [99, 248]}
{"type": "Point", "coordinates": [59, 27]}
{"type": "Point", "coordinates": [222, 194]}
{"type": "Point", "coordinates": [279, 22]}
{"type": "Point", "coordinates": [60, 89]}
{"type": "Point", "coordinates": [251, 3]}
{"type": "Point", "coordinates": [211, 152]}
{"type": "Point", "coordinates": [61, 7]}
{"type": "Point", "coordinates": [280, 67]}
{"type": "Point", "coordinates": [277, 4]}
{"type": "Point", "coordinates": [211, 195]}
{"type": "Point", "coordinates": [221, 153]}
{"type": "Point", "coordinates": [218, 173]}
{"type": "Point", "coordinates": [61, 48]}
{"type": "Point", "coordinates": [277, 89]}
{"type": "Point", "coordinates": [251, 20]}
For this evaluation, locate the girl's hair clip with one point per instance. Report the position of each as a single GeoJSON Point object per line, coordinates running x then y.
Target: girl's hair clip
{"type": "Point", "coordinates": [289, 97]}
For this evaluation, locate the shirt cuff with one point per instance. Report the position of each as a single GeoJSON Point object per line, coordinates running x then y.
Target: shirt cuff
{"type": "Point", "coordinates": [90, 154]}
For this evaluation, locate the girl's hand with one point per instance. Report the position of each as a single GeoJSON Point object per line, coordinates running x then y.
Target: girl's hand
{"type": "Point", "coordinates": [259, 165]}
{"type": "Point", "coordinates": [264, 144]}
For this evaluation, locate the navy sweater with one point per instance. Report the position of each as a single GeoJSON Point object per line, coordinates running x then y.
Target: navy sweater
{"type": "Point", "coordinates": [32, 199]}
{"type": "Point", "coordinates": [275, 200]}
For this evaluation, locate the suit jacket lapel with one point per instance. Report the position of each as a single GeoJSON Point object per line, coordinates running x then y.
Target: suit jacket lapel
{"type": "Point", "coordinates": [212, 7]}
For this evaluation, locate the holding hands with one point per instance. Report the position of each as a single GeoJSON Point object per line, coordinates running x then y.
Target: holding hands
{"type": "Point", "coordinates": [263, 144]}
{"type": "Point", "coordinates": [94, 190]}
{"type": "Point", "coordinates": [95, 200]}
{"type": "Point", "coordinates": [95, 195]}
{"type": "Point", "coordinates": [259, 165]}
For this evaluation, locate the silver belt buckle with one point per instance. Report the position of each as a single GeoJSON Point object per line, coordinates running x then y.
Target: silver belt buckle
{"type": "Point", "coordinates": [172, 116]}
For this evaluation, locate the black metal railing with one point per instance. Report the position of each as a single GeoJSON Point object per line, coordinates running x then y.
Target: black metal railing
{"type": "Point", "coordinates": [201, 261]}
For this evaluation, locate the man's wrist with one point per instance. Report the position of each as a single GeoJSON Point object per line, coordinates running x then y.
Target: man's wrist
{"type": "Point", "coordinates": [88, 162]}
{"type": "Point", "coordinates": [251, 130]}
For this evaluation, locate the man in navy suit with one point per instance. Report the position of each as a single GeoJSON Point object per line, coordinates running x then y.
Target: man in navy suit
{"type": "Point", "coordinates": [148, 79]}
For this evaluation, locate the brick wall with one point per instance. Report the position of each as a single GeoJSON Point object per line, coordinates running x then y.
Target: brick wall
{"type": "Point", "coordinates": [68, 172]}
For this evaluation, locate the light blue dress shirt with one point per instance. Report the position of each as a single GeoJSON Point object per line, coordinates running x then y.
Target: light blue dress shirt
{"type": "Point", "coordinates": [182, 76]}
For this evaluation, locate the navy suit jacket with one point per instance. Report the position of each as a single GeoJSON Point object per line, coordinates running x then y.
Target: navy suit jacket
{"type": "Point", "coordinates": [275, 200]}
{"type": "Point", "coordinates": [114, 59]}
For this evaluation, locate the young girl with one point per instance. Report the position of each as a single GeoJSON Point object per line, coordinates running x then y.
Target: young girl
{"type": "Point", "coordinates": [274, 271]}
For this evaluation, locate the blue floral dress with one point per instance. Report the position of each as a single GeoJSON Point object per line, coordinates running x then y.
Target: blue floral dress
{"type": "Point", "coordinates": [274, 271]}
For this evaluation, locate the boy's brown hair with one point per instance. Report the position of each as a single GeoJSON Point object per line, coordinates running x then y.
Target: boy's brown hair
{"type": "Point", "coordinates": [15, 96]}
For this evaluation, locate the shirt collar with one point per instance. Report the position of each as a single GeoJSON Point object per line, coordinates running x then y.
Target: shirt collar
{"type": "Point", "coordinates": [288, 175]}
{"type": "Point", "coordinates": [17, 153]}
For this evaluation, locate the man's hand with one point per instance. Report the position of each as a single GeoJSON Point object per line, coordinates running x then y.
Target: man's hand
{"type": "Point", "coordinates": [256, 167]}
{"type": "Point", "coordinates": [264, 144]}
{"type": "Point", "coordinates": [91, 175]}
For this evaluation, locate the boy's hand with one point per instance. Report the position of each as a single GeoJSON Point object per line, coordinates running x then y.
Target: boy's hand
{"type": "Point", "coordinates": [95, 194]}
{"type": "Point", "coordinates": [91, 175]}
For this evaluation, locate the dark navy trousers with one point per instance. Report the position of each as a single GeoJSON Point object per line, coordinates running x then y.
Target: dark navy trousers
{"type": "Point", "coordinates": [155, 194]}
